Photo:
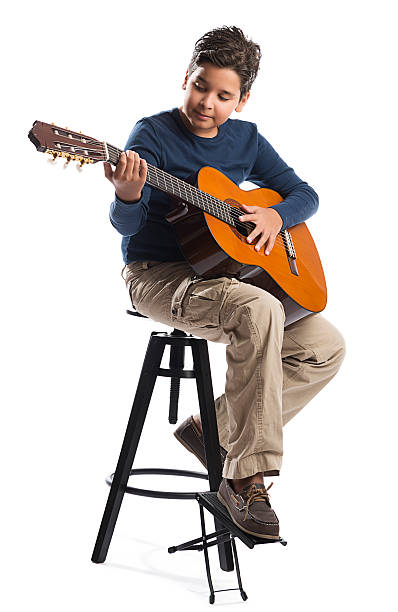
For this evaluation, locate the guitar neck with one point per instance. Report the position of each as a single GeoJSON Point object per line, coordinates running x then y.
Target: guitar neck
{"type": "Point", "coordinates": [178, 188]}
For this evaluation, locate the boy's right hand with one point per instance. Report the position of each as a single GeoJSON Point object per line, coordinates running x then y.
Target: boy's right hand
{"type": "Point", "coordinates": [129, 176]}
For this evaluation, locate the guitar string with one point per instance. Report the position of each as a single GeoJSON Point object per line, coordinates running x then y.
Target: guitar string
{"type": "Point", "coordinates": [173, 182]}
{"type": "Point", "coordinates": [176, 182]}
{"type": "Point", "coordinates": [169, 180]}
{"type": "Point", "coordinates": [164, 176]}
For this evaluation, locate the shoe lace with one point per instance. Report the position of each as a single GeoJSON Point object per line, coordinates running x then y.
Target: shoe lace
{"type": "Point", "coordinates": [255, 494]}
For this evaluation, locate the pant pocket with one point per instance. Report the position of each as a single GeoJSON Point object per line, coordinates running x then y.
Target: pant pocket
{"type": "Point", "coordinates": [197, 301]}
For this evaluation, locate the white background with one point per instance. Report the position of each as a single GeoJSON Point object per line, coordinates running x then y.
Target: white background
{"type": "Point", "coordinates": [325, 99]}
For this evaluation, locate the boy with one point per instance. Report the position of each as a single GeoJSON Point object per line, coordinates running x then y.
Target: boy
{"type": "Point", "coordinates": [273, 371]}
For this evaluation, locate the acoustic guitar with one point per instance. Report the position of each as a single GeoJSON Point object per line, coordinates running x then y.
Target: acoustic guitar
{"type": "Point", "coordinates": [205, 212]}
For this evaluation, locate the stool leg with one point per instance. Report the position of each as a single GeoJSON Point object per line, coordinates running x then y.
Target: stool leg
{"type": "Point", "coordinates": [210, 436]}
{"type": "Point", "coordinates": [146, 383]}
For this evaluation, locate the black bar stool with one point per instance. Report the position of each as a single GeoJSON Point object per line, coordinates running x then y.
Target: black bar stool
{"type": "Point", "coordinates": [118, 481]}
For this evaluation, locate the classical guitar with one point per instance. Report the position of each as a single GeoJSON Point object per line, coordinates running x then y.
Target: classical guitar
{"type": "Point", "coordinates": [204, 212]}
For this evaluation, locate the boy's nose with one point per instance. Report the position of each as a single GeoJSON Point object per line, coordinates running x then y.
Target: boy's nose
{"type": "Point", "coordinates": [207, 102]}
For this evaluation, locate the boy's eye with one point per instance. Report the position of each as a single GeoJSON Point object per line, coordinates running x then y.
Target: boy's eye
{"type": "Point", "coordinates": [202, 89]}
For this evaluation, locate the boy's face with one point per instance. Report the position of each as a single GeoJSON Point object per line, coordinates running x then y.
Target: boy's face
{"type": "Point", "coordinates": [212, 94]}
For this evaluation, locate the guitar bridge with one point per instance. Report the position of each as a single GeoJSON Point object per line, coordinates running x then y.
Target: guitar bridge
{"type": "Point", "coordinates": [290, 252]}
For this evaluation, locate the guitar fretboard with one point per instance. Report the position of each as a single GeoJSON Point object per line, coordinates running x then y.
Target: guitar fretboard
{"type": "Point", "coordinates": [188, 193]}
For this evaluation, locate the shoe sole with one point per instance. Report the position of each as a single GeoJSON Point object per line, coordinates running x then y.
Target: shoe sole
{"type": "Point", "coordinates": [190, 449]}
{"type": "Point", "coordinates": [257, 535]}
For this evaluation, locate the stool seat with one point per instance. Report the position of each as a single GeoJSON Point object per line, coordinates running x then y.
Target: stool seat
{"type": "Point", "coordinates": [136, 313]}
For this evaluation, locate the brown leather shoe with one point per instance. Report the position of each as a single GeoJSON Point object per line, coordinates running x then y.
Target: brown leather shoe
{"type": "Point", "coordinates": [191, 437]}
{"type": "Point", "coordinates": [250, 510]}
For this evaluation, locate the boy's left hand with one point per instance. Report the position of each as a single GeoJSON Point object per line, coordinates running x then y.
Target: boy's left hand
{"type": "Point", "coordinates": [268, 224]}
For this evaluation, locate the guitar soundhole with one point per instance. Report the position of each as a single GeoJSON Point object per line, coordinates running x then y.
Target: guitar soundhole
{"type": "Point", "coordinates": [241, 229]}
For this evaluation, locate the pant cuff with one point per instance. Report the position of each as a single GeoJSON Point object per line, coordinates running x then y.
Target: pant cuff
{"type": "Point", "coordinates": [243, 467]}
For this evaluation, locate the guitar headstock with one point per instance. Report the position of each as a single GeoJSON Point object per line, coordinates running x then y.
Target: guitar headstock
{"type": "Point", "coordinates": [62, 142]}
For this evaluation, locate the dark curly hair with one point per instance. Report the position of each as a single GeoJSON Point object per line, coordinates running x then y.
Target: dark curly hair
{"type": "Point", "coordinates": [228, 47]}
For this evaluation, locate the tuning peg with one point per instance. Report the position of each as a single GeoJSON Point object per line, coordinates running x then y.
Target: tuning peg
{"type": "Point", "coordinates": [67, 161]}
{"type": "Point", "coordinates": [80, 166]}
{"type": "Point", "coordinates": [54, 158]}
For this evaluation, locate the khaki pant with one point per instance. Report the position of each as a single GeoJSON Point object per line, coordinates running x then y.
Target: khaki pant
{"type": "Point", "coordinates": [272, 373]}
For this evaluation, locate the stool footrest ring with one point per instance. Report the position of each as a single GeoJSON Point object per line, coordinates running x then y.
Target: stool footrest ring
{"type": "Point", "coordinates": [161, 471]}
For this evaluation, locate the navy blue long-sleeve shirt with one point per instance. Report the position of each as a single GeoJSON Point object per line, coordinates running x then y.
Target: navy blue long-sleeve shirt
{"type": "Point", "coordinates": [239, 151]}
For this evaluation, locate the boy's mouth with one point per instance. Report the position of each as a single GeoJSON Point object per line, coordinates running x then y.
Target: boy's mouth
{"type": "Point", "coordinates": [202, 116]}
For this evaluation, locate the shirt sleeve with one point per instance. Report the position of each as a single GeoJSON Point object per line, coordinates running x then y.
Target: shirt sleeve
{"type": "Point", "coordinates": [269, 170]}
{"type": "Point", "coordinates": [129, 218]}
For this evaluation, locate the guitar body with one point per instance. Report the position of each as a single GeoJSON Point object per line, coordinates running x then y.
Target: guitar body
{"type": "Point", "coordinates": [214, 248]}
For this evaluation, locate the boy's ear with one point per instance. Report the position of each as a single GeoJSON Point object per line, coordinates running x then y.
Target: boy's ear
{"type": "Point", "coordinates": [241, 104]}
{"type": "Point", "coordinates": [184, 85]}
